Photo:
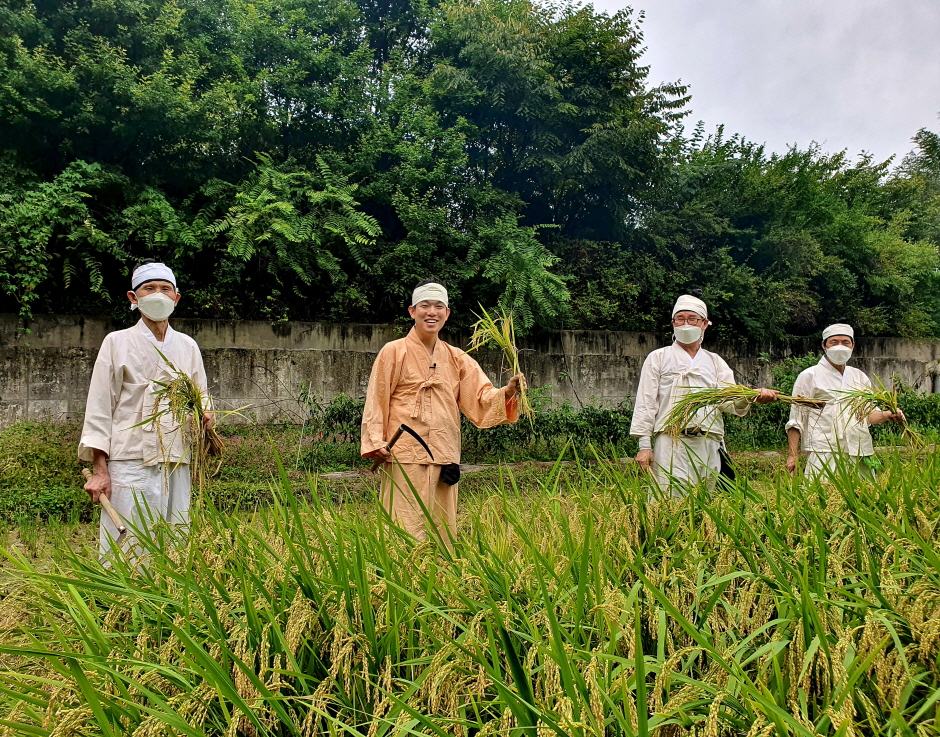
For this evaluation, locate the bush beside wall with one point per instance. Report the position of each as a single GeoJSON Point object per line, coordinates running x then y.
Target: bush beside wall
{"type": "Point", "coordinates": [41, 479]}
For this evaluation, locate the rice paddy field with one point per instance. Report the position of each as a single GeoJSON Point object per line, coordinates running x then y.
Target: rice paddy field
{"type": "Point", "coordinates": [573, 604]}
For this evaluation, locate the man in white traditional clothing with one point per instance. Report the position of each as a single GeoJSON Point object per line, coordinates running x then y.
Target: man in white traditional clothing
{"type": "Point", "coordinates": [142, 467]}
{"type": "Point", "coordinates": [668, 374]}
{"type": "Point", "coordinates": [833, 435]}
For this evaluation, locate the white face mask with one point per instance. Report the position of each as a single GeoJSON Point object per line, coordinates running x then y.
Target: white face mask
{"type": "Point", "coordinates": [687, 334]}
{"type": "Point", "coordinates": [839, 354]}
{"type": "Point", "coordinates": [158, 307]}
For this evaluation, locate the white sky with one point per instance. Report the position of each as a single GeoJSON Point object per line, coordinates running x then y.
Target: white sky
{"type": "Point", "coordinates": [849, 74]}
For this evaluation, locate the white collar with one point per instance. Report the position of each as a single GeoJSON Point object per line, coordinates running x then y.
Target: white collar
{"type": "Point", "coordinates": [151, 337]}
{"type": "Point", "coordinates": [843, 375]}
{"type": "Point", "coordinates": [682, 352]}
{"type": "Point", "coordinates": [825, 362]}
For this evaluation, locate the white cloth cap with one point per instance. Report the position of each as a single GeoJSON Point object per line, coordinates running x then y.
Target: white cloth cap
{"type": "Point", "coordinates": [431, 292]}
{"type": "Point", "coordinates": [694, 304]}
{"type": "Point", "coordinates": [151, 272]}
{"type": "Point", "coordinates": [840, 328]}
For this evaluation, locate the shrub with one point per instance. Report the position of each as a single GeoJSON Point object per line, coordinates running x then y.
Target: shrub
{"type": "Point", "coordinates": [40, 476]}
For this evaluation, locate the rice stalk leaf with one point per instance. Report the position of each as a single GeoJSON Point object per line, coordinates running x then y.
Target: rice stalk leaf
{"type": "Point", "coordinates": [683, 412]}
{"type": "Point", "coordinates": [862, 401]}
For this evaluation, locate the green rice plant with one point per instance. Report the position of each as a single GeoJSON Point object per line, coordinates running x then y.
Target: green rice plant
{"type": "Point", "coordinates": [29, 533]}
{"type": "Point", "coordinates": [499, 330]}
{"type": "Point", "coordinates": [583, 604]}
{"type": "Point", "coordinates": [685, 409]}
{"type": "Point", "coordinates": [863, 401]}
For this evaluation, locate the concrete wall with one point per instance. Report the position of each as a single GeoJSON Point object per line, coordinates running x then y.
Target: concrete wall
{"type": "Point", "coordinates": [45, 372]}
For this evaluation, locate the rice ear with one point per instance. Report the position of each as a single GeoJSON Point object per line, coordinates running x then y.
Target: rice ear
{"type": "Point", "coordinates": [863, 401]}
{"type": "Point", "coordinates": [187, 405]}
{"type": "Point", "coordinates": [499, 329]}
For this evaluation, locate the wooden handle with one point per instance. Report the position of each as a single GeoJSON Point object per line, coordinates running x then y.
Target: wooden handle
{"type": "Point", "coordinates": [106, 505]}
{"type": "Point", "coordinates": [388, 446]}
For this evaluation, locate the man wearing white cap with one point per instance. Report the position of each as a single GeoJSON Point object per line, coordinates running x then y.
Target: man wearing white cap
{"type": "Point", "coordinates": [424, 383]}
{"type": "Point", "coordinates": [833, 432]}
{"type": "Point", "coordinates": [141, 468]}
{"type": "Point", "coordinates": [668, 374]}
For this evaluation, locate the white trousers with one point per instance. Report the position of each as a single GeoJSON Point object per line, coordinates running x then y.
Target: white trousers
{"type": "Point", "coordinates": [823, 464]}
{"type": "Point", "coordinates": [683, 462]}
{"type": "Point", "coordinates": [142, 496]}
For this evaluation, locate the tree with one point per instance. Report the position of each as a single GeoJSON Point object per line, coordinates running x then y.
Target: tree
{"type": "Point", "coordinates": [293, 231]}
{"type": "Point", "coordinates": [49, 239]}
{"type": "Point", "coordinates": [315, 160]}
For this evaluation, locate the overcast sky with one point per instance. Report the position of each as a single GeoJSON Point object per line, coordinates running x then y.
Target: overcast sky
{"type": "Point", "coordinates": [849, 74]}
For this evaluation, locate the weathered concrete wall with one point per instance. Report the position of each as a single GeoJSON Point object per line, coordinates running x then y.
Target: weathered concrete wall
{"type": "Point", "coordinates": [45, 372]}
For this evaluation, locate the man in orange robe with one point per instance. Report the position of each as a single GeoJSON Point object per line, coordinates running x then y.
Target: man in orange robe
{"type": "Point", "coordinates": [423, 382]}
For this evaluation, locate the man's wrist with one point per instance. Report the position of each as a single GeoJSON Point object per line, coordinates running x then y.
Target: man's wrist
{"type": "Point", "coordinates": [99, 462]}
{"type": "Point", "coordinates": [646, 442]}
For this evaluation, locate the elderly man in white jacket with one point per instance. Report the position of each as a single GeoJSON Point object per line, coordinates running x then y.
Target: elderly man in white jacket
{"type": "Point", "coordinates": [833, 432]}
{"type": "Point", "coordinates": [668, 374]}
{"type": "Point", "coordinates": [142, 468]}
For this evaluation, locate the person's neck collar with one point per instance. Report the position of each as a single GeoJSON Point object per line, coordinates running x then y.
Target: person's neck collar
{"type": "Point", "coordinates": [429, 344]}
{"type": "Point", "coordinates": [691, 350]}
{"type": "Point", "coordinates": [159, 330]}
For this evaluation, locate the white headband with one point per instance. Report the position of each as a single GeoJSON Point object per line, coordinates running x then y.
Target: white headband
{"type": "Point", "coordinates": [151, 272]}
{"type": "Point", "coordinates": [839, 328]}
{"type": "Point", "coordinates": [693, 304]}
{"type": "Point", "coordinates": [431, 292]}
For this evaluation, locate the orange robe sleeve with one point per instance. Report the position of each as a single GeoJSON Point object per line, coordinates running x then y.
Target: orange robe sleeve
{"type": "Point", "coordinates": [375, 415]}
{"type": "Point", "coordinates": [482, 403]}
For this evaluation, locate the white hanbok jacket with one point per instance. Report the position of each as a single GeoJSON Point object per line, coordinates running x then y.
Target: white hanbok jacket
{"type": "Point", "coordinates": [121, 396]}
{"type": "Point", "coordinates": [667, 375]}
{"type": "Point", "coordinates": [832, 429]}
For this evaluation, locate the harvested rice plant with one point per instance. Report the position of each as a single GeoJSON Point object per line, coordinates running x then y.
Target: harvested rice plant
{"type": "Point", "coordinates": [574, 606]}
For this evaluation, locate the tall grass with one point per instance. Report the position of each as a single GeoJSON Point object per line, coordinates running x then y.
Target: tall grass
{"type": "Point", "coordinates": [582, 608]}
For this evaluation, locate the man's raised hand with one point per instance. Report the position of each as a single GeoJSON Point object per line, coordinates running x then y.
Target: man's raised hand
{"type": "Point", "coordinates": [515, 385]}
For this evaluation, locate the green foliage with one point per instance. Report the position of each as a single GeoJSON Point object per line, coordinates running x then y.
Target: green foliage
{"type": "Point", "coordinates": [519, 264]}
{"type": "Point", "coordinates": [556, 432]}
{"type": "Point", "coordinates": [572, 604]}
{"type": "Point", "coordinates": [50, 225]}
{"type": "Point", "coordinates": [297, 160]}
{"type": "Point", "coordinates": [297, 233]}
{"type": "Point", "coordinates": [330, 439]}
{"type": "Point", "coordinates": [39, 476]}
{"type": "Point", "coordinates": [782, 244]}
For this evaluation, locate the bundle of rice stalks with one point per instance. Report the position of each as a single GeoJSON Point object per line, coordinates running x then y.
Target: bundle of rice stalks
{"type": "Point", "coordinates": [182, 399]}
{"type": "Point", "coordinates": [862, 402]}
{"type": "Point", "coordinates": [685, 409]}
{"type": "Point", "coordinates": [500, 331]}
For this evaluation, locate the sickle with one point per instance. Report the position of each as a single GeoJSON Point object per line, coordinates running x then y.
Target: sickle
{"type": "Point", "coordinates": [391, 444]}
{"type": "Point", "coordinates": [420, 440]}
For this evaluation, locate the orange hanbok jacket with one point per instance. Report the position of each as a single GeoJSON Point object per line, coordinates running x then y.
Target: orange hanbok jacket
{"type": "Point", "coordinates": [428, 393]}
